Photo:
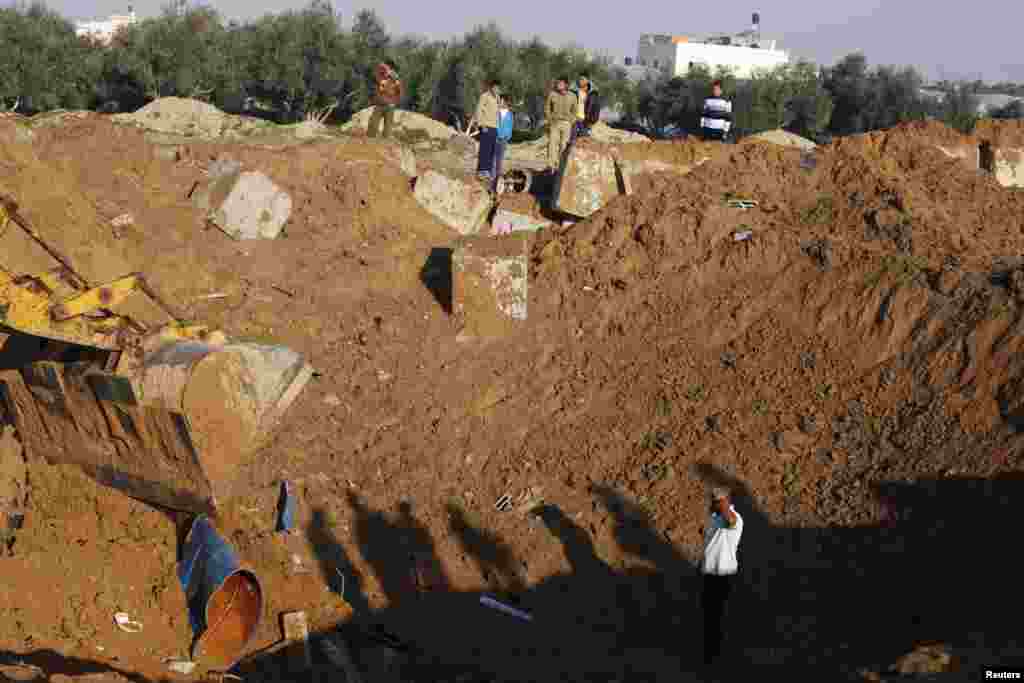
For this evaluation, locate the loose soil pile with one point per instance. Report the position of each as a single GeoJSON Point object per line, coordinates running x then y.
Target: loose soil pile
{"type": "Point", "coordinates": [407, 124]}
{"type": "Point", "coordinates": [190, 118]}
{"type": "Point", "coordinates": [867, 332]}
{"type": "Point", "coordinates": [785, 139]}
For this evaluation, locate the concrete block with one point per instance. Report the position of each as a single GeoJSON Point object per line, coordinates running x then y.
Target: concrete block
{"type": "Point", "coordinates": [1008, 166]}
{"type": "Point", "coordinates": [586, 180]}
{"type": "Point", "coordinates": [507, 222]}
{"type": "Point", "coordinates": [489, 282]}
{"type": "Point", "coordinates": [461, 204]}
{"type": "Point", "coordinates": [247, 205]}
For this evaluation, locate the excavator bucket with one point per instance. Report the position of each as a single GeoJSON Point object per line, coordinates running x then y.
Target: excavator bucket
{"type": "Point", "coordinates": [105, 376]}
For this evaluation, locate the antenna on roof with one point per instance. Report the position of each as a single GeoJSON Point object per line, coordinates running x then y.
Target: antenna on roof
{"type": "Point", "coordinates": [756, 26]}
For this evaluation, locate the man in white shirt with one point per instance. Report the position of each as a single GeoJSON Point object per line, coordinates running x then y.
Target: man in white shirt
{"type": "Point", "coordinates": [719, 566]}
{"type": "Point", "coordinates": [716, 117]}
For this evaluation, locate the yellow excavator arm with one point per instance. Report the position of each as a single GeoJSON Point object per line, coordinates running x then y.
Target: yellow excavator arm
{"type": "Point", "coordinates": [164, 410]}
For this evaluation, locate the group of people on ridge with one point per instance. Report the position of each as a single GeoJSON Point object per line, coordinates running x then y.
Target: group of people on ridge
{"type": "Point", "coordinates": [570, 113]}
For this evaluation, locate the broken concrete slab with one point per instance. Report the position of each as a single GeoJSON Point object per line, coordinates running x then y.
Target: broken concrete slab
{"type": "Point", "coordinates": [244, 205]}
{"type": "Point", "coordinates": [461, 204]}
{"type": "Point", "coordinates": [489, 282]}
{"type": "Point", "coordinates": [587, 179]}
{"type": "Point", "coordinates": [506, 222]}
{"type": "Point", "coordinates": [1008, 166]}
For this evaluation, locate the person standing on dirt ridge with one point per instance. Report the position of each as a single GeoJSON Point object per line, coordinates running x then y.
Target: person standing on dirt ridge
{"type": "Point", "coordinates": [386, 99]}
{"type": "Point", "coordinates": [716, 118]}
{"type": "Point", "coordinates": [486, 119]}
{"type": "Point", "coordinates": [588, 106]}
{"type": "Point", "coordinates": [722, 534]}
{"type": "Point", "coordinates": [506, 125]}
{"type": "Point", "coordinates": [560, 111]}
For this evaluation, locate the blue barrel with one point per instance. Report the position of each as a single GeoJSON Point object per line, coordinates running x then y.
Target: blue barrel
{"type": "Point", "coordinates": [224, 601]}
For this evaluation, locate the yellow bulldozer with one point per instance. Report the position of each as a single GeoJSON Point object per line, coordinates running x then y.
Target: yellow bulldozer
{"type": "Point", "coordinates": [104, 375]}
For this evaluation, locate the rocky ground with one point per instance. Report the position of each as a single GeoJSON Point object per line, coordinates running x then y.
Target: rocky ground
{"type": "Point", "coordinates": [851, 370]}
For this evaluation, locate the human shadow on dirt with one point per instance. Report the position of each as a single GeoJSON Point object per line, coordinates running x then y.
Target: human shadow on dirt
{"type": "Point", "coordinates": [436, 276]}
{"type": "Point", "coordinates": [335, 566]}
{"type": "Point", "coordinates": [809, 603]}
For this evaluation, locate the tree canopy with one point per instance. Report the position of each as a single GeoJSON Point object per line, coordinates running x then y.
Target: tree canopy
{"type": "Point", "coordinates": [285, 65]}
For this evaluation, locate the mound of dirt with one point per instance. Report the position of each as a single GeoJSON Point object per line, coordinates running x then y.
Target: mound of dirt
{"type": "Point", "coordinates": [785, 139]}
{"type": "Point", "coordinates": [688, 152]}
{"type": "Point", "coordinates": [861, 324]}
{"type": "Point", "coordinates": [184, 117]}
{"type": "Point", "coordinates": [408, 124]}
{"type": "Point", "coordinates": [605, 133]}
{"type": "Point", "coordinates": [886, 189]}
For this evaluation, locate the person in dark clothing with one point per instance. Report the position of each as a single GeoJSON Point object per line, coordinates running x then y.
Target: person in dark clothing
{"type": "Point", "coordinates": [588, 106]}
{"type": "Point", "coordinates": [716, 118]}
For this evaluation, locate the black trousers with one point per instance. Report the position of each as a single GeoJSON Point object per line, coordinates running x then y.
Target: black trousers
{"type": "Point", "coordinates": [715, 594]}
{"type": "Point", "coordinates": [485, 160]}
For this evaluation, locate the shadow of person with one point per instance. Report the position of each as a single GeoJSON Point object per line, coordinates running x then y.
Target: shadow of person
{"type": "Point", "coordinates": [385, 546]}
{"type": "Point", "coordinates": [335, 566]}
{"type": "Point", "coordinates": [495, 560]}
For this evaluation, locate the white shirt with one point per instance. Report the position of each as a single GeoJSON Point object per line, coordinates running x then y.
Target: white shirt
{"type": "Point", "coordinates": [721, 544]}
{"type": "Point", "coordinates": [717, 114]}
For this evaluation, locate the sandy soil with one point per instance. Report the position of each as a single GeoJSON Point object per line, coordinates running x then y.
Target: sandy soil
{"type": "Point", "coordinates": [865, 334]}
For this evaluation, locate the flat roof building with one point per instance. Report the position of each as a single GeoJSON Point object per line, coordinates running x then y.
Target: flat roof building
{"type": "Point", "coordinates": [742, 53]}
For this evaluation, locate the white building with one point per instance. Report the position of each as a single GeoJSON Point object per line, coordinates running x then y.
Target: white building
{"type": "Point", "coordinates": [742, 53]}
{"type": "Point", "coordinates": [104, 31]}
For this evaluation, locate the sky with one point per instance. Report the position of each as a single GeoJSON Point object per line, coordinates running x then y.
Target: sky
{"type": "Point", "coordinates": [979, 40]}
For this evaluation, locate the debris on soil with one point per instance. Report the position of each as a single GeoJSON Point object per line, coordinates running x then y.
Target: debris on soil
{"type": "Point", "coordinates": [785, 139]}
{"type": "Point", "coordinates": [190, 118]}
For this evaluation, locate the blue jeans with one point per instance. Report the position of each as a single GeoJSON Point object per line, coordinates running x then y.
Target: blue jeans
{"type": "Point", "coordinates": [485, 159]}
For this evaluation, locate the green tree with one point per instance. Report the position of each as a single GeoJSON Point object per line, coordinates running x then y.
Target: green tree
{"type": "Point", "coordinates": [959, 107]}
{"type": "Point", "coordinates": [1011, 110]}
{"type": "Point", "coordinates": [848, 83]}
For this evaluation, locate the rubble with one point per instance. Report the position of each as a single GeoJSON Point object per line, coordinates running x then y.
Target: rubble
{"type": "Point", "coordinates": [245, 205]}
{"type": "Point", "coordinates": [460, 203]}
{"type": "Point", "coordinates": [587, 179]}
{"type": "Point", "coordinates": [506, 222]}
{"type": "Point", "coordinates": [649, 295]}
{"type": "Point", "coordinates": [489, 282]}
{"type": "Point", "coordinates": [1008, 166]}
